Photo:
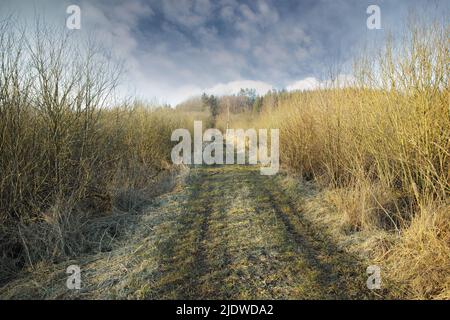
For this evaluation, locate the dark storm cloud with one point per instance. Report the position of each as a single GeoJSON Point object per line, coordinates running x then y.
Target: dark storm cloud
{"type": "Point", "coordinates": [175, 48]}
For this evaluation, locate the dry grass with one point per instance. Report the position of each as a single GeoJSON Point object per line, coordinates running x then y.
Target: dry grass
{"type": "Point", "coordinates": [420, 262]}
{"type": "Point", "coordinates": [382, 147]}
{"type": "Point", "coordinates": [68, 155]}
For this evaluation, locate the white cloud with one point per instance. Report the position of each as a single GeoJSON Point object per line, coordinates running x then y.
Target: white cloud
{"type": "Point", "coordinates": [184, 92]}
{"type": "Point", "coordinates": [175, 49]}
{"type": "Point", "coordinates": [234, 87]}
{"type": "Point", "coordinates": [309, 83]}
{"type": "Point", "coordinates": [190, 14]}
{"type": "Point", "coordinates": [186, 54]}
{"type": "Point", "coordinates": [312, 83]}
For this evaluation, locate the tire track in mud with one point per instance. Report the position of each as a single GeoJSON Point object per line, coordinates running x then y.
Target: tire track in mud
{"type": "Point", "coordinates": [316, 249]}
{"type": "Point", "coordinates": [178, 250]}
{"type": "Point", "coordinates": [185, 259]}
{"type": "Point", "coordinates": [200, 266]}
{"type": "Point", "coordinates": [217, 246]}
{"type": "Point", "coordinates": [210, 196]}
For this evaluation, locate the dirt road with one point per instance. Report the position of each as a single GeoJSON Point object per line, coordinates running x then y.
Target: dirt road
{"type": "Point", "coordinates": [228, 233]}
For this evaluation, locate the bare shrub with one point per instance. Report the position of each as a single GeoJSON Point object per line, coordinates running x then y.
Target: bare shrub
{"type": "Point", "coordinates": [383, 145]}
{"type": "Point", "coordinates": [66, 151]}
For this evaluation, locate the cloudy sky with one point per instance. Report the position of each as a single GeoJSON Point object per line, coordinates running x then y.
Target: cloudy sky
{"type": "Point", "coordinates": [174, 49]}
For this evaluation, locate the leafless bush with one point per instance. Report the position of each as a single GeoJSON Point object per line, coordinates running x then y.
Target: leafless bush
{"type": "Point", "coordinates": [65, 150]}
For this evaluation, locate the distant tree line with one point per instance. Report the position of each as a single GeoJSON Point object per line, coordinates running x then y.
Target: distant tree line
{"type": "Point", "coordinates": [247, 100]}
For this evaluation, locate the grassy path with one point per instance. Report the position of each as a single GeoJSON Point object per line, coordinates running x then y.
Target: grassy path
{"type": "Point", "coordinates": [229, 233]}
{"type": "Point", "coordinates": [243, 238]}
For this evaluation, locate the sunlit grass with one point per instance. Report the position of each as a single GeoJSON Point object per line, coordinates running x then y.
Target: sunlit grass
{"type": "Point", "coordinates": [383, 146]}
